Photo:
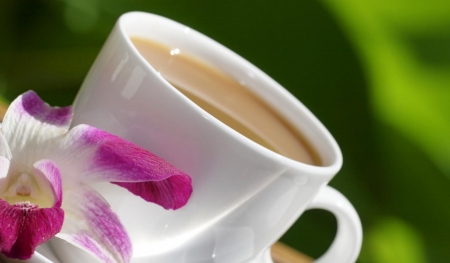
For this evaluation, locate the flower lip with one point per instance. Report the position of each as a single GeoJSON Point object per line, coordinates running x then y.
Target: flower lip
{"type": "Point", "coordinates": [40, 187]}
{"type": "Point", "coordinates": [24, 226]}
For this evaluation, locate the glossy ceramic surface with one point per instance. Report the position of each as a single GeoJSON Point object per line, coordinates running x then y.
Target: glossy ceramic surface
{"type": "Point", "coordinates": [245, 196]}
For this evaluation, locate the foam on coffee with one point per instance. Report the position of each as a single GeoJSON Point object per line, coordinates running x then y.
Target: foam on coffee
{"type": "Point", "coordinates": [227, 100]}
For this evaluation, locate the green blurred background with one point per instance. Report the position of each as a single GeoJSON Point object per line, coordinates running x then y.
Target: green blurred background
{"type": "Point", "coordinates": [375, 72]}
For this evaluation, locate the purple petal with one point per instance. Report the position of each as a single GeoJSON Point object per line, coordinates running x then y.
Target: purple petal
{"type": "Point", "coordinates": [24, 226]}
{"type": "Point", "coordinates": [172, 193]}
{"type": "Point", "coordinates": [31, 104]}
{"type": "Point", "coordinates": [93, 226]}
{"type": "Point", "coordinates": [91, 155]}
{"type": "Point", "coordinates": [116, 159]}
{"type": "Point", "coordinates": [49, 170]}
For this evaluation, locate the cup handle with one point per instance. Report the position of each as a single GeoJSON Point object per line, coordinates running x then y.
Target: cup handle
{"type": "Point", "coordinates": [347, 243]}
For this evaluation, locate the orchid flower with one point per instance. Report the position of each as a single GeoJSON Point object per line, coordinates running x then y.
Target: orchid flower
{"type": "Point", "coordinates": [45, 173]}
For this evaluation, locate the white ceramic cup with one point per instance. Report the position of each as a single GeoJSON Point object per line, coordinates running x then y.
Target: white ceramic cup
{"type": "Point", "coordinates": [245, 196]}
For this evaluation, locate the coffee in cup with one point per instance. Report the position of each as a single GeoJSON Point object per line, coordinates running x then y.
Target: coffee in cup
{"type": "Point", "coordinates": [227, 100]}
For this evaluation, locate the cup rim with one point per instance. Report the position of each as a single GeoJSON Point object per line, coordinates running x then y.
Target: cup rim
{"type": "Point", "coordinates": [317, 129]}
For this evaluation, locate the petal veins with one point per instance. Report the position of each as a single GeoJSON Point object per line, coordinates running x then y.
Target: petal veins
{"type": "Point", "coordinates": [93, 226]}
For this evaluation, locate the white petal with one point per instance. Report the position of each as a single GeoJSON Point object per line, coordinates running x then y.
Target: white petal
{"type": "Point", "coordinates": [30, 127]}
{"type": "Point", "coordinates": [91, 225]}
{"type": "Point", "coordinates": [4, 148]}
{"type": "Point", "coordinates": [88, 155]}
{"type": "Point", "coordinates": [48, 177]}
{"type": "Point", "coordinates": [4, 167]}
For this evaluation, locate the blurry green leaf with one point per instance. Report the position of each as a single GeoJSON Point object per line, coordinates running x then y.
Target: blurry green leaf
{"type": "Point", "coordinates": [408, 92]}
{"type": "Point", "coordinates": [423, 16]}
{"type": "Point", "coordinates": [81, 15]}
{"type": "Point", "coordinates": [392, 240]}
{"type": "Point", "coordinates": [414, 189]}
{"type": "Point", "coordinates": [48, 69]}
